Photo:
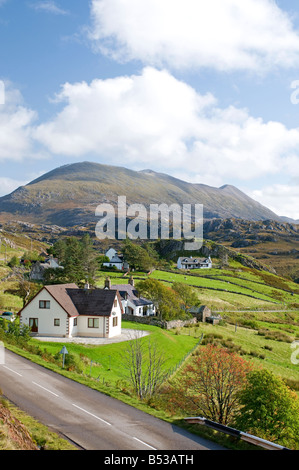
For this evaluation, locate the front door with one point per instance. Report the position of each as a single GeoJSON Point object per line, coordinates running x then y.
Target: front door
{"type": "Point", "coordinates": [33, 324]}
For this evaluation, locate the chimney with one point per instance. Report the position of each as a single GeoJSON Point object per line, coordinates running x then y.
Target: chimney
{"type": "Point", "coordinates": [107, 283]}
{"type": "Point", "coordinates": [131, 281]}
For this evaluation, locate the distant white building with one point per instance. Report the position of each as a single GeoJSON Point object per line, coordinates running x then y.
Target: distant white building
{"type": "Point", "coordinates": [194, 263]}
{"type": "Point", "coordinates": [115, 260]}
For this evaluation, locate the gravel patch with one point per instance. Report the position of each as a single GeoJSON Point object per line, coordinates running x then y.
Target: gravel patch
{"type": "Point", "coordinates": [125, 335]}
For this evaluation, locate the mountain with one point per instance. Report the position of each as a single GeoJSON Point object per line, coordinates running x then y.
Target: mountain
{"type": "Point", "coordinates": [68, 196]}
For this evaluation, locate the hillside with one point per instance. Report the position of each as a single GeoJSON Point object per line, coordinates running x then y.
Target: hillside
{"type": "Point", "coordinates": [69, 195]}
{"type": "Point", "coordinates": [269, 242]}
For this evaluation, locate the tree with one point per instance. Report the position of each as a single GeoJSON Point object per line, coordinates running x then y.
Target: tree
{"type": "Point", "coordinates": [270, 409]}
{"type": "Point", "coordinates": [209, 385]}
{"type": "Point", "coordinates": [167, 302]}
{"type": "Point", "coordinates": [25, 289]}
{"type": "Point", "coordinates": [78, 258]}
{"type": "Point", "coordinates": [138, 257]}
{"type": "Point", "coordinates": [144, 364]}
{"type": "Point", "coordinates": [88, 256]}
{"type": "Point", "coordinates": [187, 294]}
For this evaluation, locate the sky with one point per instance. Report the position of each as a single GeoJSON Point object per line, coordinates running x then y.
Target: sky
{"type": "Point", "coordinates": [207, 92]}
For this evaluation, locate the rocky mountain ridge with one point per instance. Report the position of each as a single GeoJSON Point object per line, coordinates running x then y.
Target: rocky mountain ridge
{"type": "Point", "coordinates": [69, 195]}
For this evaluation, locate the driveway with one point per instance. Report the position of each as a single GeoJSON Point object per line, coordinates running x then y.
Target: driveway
{"type": "Point", "coordinates": [125, 335]}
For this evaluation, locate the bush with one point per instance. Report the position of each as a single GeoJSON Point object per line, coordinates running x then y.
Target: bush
{"type": "Point", "coordinates": [270, 410]}
{"type": "Point", "coordinates": [275, 335]}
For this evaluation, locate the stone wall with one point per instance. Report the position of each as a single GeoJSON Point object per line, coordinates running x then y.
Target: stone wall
{"type": "Point", "coordinates": [167, 325]}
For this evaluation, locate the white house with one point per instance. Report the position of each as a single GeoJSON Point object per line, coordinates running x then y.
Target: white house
{"type": "Point", "coordinates": [132, 303]}
{"type": "Point", "coordinates": [194, 263]}
{"type": "Point", "coordinates": [115, 260]}
{"type": "Point", "coordinates": [64, 310]}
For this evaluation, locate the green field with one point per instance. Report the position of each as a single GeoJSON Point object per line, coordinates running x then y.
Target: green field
{"type": "Point", "coordinates": [226, 289]}
{"type": "Point", "coordinates": [263, 306]}
{"type": "Point", "coordinates": [105, 364]}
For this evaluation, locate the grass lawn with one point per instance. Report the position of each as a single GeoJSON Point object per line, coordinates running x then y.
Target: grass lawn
{"type": "Point", "coordinates": [107, 360]}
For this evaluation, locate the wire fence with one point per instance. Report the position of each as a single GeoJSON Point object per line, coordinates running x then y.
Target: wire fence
{"type": "Point", "coordinates": [172, 371]}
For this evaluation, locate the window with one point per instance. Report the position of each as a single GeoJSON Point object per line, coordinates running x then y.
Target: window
{"type": "Point", "coordinates": [75, 321]}
{"type": "Point", "coordinates": [115, 321]}
{"type": "Point", "coordinates": [56, 321]}
{"type": "Point", "coordinates": [93, 323]}
{"type": "Point", "coordinates": [44, 304]}
{"type": "Point", "coordinates": [115, 303]}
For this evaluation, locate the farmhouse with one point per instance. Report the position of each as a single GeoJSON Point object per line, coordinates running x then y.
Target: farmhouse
{"type": "Point", "coordinates": [194, 263]}
{"type": "Point", "coordinates": [64, 310]}
{"type": "Point", "coordinates": [132, 303]}
{"type": "Point", "coordinates": [115, 260]}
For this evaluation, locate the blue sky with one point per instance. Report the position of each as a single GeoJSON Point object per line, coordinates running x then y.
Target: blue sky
{"type": "Point", "coordinates": [199, 90]}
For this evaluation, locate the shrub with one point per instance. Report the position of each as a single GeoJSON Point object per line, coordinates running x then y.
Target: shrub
{"type": "Point", "coordinates": [270, 410]}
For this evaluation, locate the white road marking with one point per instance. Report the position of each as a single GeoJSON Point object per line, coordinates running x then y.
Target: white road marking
{"type": "Point", "coordinates": [45, 389]}
{"type": "Point", "coordinates": [17, 373]}
{"type": "Point", "coordinates": [144, 443]}
{"type": "Point", "coordinates": [91, 414]}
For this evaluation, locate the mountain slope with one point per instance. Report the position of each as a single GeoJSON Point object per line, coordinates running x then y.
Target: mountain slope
{"type": "Point", "coordinates": [68, 195]}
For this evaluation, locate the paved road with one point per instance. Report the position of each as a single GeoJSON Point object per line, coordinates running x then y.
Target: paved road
{"type": "Point", "coordinates": [87, 417]}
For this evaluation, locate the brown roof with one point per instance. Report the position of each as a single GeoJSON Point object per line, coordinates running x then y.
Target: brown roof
{"type": "Point", "coordinates": [60, 292]}
{"type": "Point", "coordinates": [75, 301]}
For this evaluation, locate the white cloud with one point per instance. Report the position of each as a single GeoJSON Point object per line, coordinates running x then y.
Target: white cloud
{"type": "Point", "coordinates": [154, 120]}
{"type": "Point", "coordinates": [16, 122]}
{"type": "Point", "coordinates": [142, 117]}
{"type": "Point", "coordinates": [7, 185]}
{"type": "Point", "coordinates": [49, 7]}
{"type": "Point", "coordinates": [280, 198]}
{"type": "Point", "coordinates": [221, 34]}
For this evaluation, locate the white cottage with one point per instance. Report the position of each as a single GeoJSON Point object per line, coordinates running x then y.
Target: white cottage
{"type": "Point", "coordinates": [64, 310]}
{"type": "Point", "coordinates": [115, 260]}
{"type": "Point", "coordinates": [132, 302]}
{"type": "Point", "coordinates": [194, 263]}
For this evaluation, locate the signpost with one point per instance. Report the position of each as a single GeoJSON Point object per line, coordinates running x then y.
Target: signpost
{"type": "Point", "coordinates": [64, 351]}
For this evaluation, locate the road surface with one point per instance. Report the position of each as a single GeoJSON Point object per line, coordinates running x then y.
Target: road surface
{"type": "Point", "coordinates": [87, 417]}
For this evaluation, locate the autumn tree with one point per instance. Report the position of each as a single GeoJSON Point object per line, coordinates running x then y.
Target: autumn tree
{"type": "Point", "coordinates": [209, 385]}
